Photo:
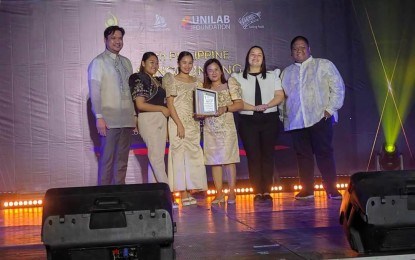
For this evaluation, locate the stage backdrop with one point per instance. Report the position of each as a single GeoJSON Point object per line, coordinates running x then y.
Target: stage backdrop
{"type": "Point", "coordinates": [47, 134]}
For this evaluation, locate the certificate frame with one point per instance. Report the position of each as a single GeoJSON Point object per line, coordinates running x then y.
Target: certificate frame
{"type": "Point", "coordinates": [205, 102]}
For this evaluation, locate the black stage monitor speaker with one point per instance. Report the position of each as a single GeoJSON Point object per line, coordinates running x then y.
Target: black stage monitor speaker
{"type": "Point", "coordinates": [108, 222]}
{"type": "Point", "coordinates": [378, 211]}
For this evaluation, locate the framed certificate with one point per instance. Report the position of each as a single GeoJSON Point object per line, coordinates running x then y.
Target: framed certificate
{"type": "Point", "coordinates": [205, 102]}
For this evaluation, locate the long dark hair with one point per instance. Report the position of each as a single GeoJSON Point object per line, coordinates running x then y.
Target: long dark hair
{"type": "Point", "coordinates": [263, 65]}
{"type": "Point", "coordinates": [181, 56]}
{"type": "Point", "coordinates": [146, 56]}
{"type": "Point", "coordinates": [207, 83]}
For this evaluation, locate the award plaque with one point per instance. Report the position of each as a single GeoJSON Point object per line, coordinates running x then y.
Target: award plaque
{"type": "Point", "coordinates": [206, 102]}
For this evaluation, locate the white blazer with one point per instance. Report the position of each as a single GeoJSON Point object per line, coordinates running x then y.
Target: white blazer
{"type": "Point", "coordinates": [268, 87]}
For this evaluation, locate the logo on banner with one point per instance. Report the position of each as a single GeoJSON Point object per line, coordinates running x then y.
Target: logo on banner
{"type": "Point", "coordinates": [249, 19]}
{"type": "Point", "coordinates": [132, 24]}
{"type": "Point", "coordinates": [206, 22]}
{"type": "Point", "coordinates": [159, 24]}
{"type": "Point", "coordinates": [111, 21]}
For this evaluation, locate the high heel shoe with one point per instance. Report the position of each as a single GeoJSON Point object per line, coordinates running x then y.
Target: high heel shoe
{"type": "Point", "coordinates": [219, 199]}
{"type": "Point", "coordinates": [192, 200]}
{"type": "Point", "coordinates": [189, 201]}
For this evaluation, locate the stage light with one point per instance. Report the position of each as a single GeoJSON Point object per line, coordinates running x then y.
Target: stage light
{"type": "Point", "coordinates": [297, 187]}
{"type": "Point", "coordinates": [276, 188]}
{"type": "Point", "coordinates": [389, 148]}
{"type": "Point", "coordinates": [389, 158]}
{"type": "Point", "coordinates": [22, 204]}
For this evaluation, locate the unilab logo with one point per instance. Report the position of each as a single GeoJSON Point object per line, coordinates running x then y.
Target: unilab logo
{"type": "Point", "coordinates": [206, 22]}
{"type": "Point", "coordinates": [250, 18]}
{"type": "Point", "coordinates": [185, 23]}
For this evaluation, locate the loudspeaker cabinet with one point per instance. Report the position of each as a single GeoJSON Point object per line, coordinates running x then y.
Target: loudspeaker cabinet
{"type": "Point", "coordinates": [378, 211]}
{"type": "Point", "coordinates": [108, 222]}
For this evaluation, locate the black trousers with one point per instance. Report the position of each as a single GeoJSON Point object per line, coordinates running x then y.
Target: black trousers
{"type": "Point", "coordinates": [259, 133]}
{"type": "Point", "coordinates": [315, 141]}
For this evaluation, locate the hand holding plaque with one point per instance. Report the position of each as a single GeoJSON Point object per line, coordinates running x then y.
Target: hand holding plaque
{"type": "Point", "coordinates": [205, 102]}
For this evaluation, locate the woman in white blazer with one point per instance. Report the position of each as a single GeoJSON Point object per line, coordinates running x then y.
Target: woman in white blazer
{"type": "Point", "coordinates": [258, 121]}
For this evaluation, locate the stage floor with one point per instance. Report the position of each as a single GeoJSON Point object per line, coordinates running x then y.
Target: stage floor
{"type": "Point", "coordinates": [284, 229]}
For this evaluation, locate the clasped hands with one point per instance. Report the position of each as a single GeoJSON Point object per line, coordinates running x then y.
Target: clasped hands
{"type": "Point", "coordinates": [261, 108]}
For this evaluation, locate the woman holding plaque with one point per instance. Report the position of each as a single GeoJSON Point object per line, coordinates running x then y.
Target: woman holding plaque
{"type": "Point", "coordinates": [259, 119]}
{"type": "Point", "coordinates": [150, 101]}
{"type": "Point", "coordinates": [221, 148]}
{"type": "Point", "coordinates": [186, 169]}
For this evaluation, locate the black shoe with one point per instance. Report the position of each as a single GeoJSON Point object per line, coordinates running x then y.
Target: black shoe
{"type": "Point", "coordinates": [334, 195]}
{"type": "Point", "coordinates": [266, 197]}
{"type": "Point", "coordinates": [304, 195]}
{"type": "Point", "coordinates": [258, 198]}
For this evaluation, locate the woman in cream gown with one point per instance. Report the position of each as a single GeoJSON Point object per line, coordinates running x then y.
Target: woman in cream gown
{"type": "Point", "coordinates": [186, 169]}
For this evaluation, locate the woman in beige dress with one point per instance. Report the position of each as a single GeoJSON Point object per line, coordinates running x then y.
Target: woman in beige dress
{"type": "Point", "coordinates": [186, 168]}
{"type": "Point", "coordinates": [221, 148]}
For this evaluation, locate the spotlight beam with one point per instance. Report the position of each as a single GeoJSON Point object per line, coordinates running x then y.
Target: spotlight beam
{"type": "Point", "coordinates": [386, 77]}
{"type": "Point", "coordinates": [400, 121]}
{"type": "Point", "coordinates": [377, 132]}
{"type": "Point", "coordinates": [389, 86]}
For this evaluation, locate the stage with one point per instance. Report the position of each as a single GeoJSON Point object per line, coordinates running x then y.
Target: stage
{"type": "Point", "coordinates": [284, 229]}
